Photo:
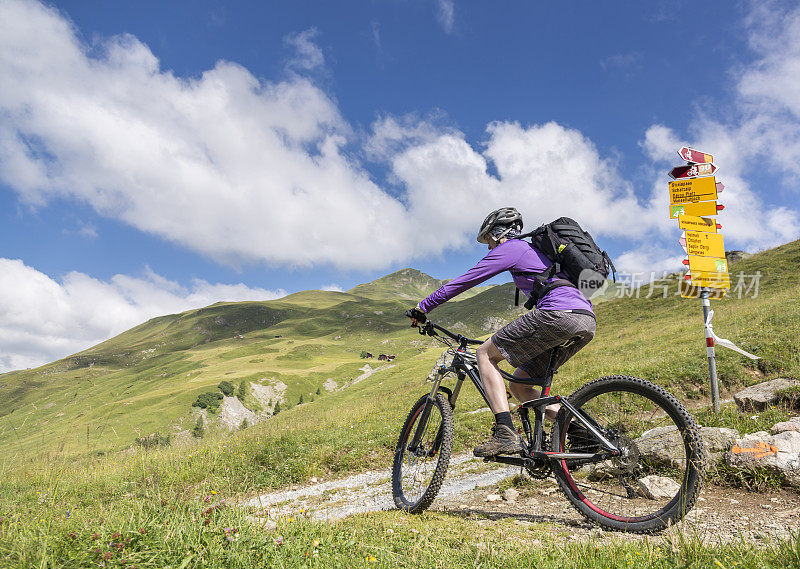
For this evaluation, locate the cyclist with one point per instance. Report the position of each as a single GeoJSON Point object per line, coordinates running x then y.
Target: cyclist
{"type": "Point", "coordinates": [562, 313]}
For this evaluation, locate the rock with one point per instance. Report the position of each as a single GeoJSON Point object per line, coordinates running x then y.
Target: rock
{"type": "Point", "coordinates": [779, 452]}
{"type": "Point", "coordinates": [445, 360]}
{"type": "Point", "coordinates": [718, 440]}
{"type": "Point", "coordinates": [757, 397]}
{"type": "Point", "coordinates": [735, 255]}
{"type": "Point", "coordinates": [663, 445]}
{"type": "Point", "coordinates": [658, 487]}
{"type": "Point", "coordinates": [510, 495]}
{"type": "Point", "coordinates": [792, 424]}
{"type": "Point", "coordinates": [494, 498]}
{"type": "Point", "coordinates": [231, 414]}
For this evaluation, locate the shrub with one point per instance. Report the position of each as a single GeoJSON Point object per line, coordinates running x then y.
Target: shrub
{"type": "Point", "coordinates": [790, 396]}
{"type": "Point", "coordinates": [226, 387]}
{"type": "Point", "coordinates": [242, 391]}
{"type": "Point", "coordinates": [300, 402]}
{"type": "Point", "coordinates": [209, 400]}
{"type": "Point", "coordinates": [199, 428]}
{"type": "Point", "coordinates": [152, 441]}
{"type": "Point", "coordinates": [244, 424]}
{"type": "Point", "coordinates": [277, 408]}
{"type": "Point", "coordinates": [319, 391]}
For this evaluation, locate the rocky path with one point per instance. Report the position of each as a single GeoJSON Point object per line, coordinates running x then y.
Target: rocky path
{"type": "Point", "coordinates": [720, 515]}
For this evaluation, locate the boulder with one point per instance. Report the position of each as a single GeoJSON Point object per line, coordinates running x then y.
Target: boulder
{"type": "Point", "coordinates": [494, 498]}
{"type": "Point", "coordinates": [231, 414]}
{"type": "Point", "coordinates": [510, 495]}
{"type": "Point", "coordinates": [663, 445]}
{"type": "Point", "coordinates": [658, 487]}
{"type": "Point", "coordinates": [779, 452]}
{"type": "Point", "coordinates": [792, 424]}
{"type": "Point", "coordinates": [446, 360]}
{"type": "Point", "coordinates": [759, 396]}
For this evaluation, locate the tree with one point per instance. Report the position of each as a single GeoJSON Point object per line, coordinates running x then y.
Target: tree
{"type": "Point", "coordinates": [242, 391]}
{"type": "Point", "coordinates": [199, 428]}
{"type": "Point", "coordinates": [319, 390]}
{"type": "Point", "coordinates": [277, 408]}
{"type": "Point", "coordinates": [226, 387]}
{"type": "Point", "coordinates": [301, 400]}
{"type": "Point", "coordinates": [209, 400]}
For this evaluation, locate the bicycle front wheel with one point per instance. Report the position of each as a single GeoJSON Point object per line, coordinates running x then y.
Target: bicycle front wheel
{"type": "Point", "coordinates": [657, 477]}
{"type": "Point", "coordinates": [419, 470]}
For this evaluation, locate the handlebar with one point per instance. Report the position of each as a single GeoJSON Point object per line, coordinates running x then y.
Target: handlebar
{"type": "Point", "coordinates": [430, 329]}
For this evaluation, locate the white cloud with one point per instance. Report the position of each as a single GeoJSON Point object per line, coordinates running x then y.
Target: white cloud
{"type": "Point", "coordinates": [42, 319]}
{"type": "Point", "coordinates": [649, 261]}
{"type": "Point", "coordinates": [627, 62]}
{"type": "Point", "coordinates": [333, 287]}
{"type": "Point", "coordinates": [236, 168]}
{"type": "Point", "coordinates": [546, 171]}
{"type": "Point", "coordinates": [247, 170]}
{"type": "Point", "coordinates": [308, 55]}
{"type": "Point", "coordinates": [445, 13]}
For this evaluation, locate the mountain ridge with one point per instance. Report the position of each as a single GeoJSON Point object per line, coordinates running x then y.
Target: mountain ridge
{"type": "Point", "coordinates": [146, 379]}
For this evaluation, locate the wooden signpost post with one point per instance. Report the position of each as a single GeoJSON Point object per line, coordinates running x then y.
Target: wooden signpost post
{"type": "Point", "coordinates": [693, 197]}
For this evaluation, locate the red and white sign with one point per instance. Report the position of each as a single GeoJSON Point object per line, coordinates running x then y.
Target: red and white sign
{"type": "Point", "coordinates": [692, 171]}
{"type": "Point", "coordinates": [692, 155]}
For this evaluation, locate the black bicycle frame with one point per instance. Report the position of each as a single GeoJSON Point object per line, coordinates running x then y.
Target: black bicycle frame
{"type": "Point", "coordinates": [532, 450]}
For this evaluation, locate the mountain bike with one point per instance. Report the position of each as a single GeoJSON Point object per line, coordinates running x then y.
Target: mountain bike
{"type": "Point", "coordinates": [625, 452]}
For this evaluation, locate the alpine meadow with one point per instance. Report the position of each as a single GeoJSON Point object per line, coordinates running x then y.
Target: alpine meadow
{"type": "Point", "coordinates": [104, 462]}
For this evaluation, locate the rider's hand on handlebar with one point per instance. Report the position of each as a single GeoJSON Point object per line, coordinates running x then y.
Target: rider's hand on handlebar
{"type": "Point", "coordinates": [417, 316]}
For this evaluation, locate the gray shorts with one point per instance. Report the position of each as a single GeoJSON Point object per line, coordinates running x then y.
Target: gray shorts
{"type": "Point", "coordinates": [526, 342]}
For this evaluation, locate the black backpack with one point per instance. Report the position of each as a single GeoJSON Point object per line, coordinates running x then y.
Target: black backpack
{"type": "Point", "coordinates": [573, 253]}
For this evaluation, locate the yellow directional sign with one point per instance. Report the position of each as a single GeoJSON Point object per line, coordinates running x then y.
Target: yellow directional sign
{"type": "Point", "coordinates": [689, 290]}
{"type": "Point", "coordinates": [705, 244]}
{"type": "Point", "coordinates": [707, 265]}
{"type": "Point", "coordinates": [711, 280]}
{"type": "Point", "coordinates": [695, 209]}
{"type": "Point", "coordinates": [694, 223]}
{"type": "Point", "coordinates": [693, 190]}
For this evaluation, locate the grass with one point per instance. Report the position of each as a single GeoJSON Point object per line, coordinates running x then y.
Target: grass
{"type": "Point", "coordinates": [69, 470]}
{"type": "Point", "coordinates": [159, 510]}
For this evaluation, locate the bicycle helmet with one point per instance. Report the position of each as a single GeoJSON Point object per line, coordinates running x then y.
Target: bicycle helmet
{"type": "Point", "coordinates": [504, 220]}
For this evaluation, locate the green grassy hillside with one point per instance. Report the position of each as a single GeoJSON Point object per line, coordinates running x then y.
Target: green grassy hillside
{"type": "Point", "coordinates": [146, 379]}
{"type": "Point", "coordinates": [63, 503]}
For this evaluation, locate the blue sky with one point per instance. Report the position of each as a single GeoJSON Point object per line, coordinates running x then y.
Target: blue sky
{"type": "Point", "coordinates": [156, 157]}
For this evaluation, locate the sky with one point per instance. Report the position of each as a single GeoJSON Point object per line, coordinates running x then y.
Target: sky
{"type": "Point", "coordinates": [157, 157]}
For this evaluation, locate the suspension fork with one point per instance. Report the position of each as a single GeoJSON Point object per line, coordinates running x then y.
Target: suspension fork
{"type": "Point", "coordinates": [426, 413]}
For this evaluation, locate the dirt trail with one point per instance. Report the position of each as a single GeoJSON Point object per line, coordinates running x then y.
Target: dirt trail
{"type": "Point", "coordinates": [721, 514]}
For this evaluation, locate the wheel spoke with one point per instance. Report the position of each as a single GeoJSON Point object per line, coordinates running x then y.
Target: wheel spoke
{"type": "Point", "coordinates": [658, 444]}
{"type": "Point", "coordinates": [418, 474]}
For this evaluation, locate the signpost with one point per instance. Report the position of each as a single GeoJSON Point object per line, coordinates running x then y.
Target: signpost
{"type": "Point", "coordinates": [710, 279]}
{"type": "Point", "coordinates": [689, 290]}
{"type": "Point", "coordinates": [695, 156]}
{"type": "Point", "coordinates": [693, 197]}
{"type": "Point", "coordinates": [695, 209]}
{"type": "Point", "coordinates": [691, 190]}
{"type": "Point", "coordinates": [692, 170]}
{"type": "Point", "coordinates": [694, 223]}
{"type": "Point", "coordinates": [706, 264]}
{"type": "Point", "coordinates": [705, 244]}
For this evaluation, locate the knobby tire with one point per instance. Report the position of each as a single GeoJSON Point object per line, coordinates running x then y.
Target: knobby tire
{"type": "Point", "coordinates": [569, 474]}
{"type": "Point", "coordinates": [440, 443]}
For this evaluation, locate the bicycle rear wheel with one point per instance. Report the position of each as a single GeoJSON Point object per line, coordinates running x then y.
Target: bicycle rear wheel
{"type": "Point", "coordinates": [658, 476]}
{"type": "Point", "coordinates": [418, 473]}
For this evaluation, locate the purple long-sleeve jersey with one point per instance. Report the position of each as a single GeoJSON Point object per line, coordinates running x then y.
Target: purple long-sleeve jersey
{"type": "Point", "coordinates": [518, 255]}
